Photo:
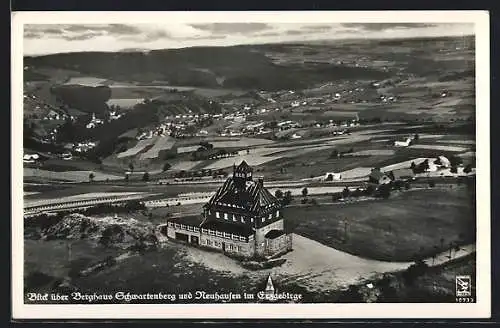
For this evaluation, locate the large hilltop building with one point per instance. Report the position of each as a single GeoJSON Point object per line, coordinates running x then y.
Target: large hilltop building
{"type": "Point", "coordinates": [242, 218]}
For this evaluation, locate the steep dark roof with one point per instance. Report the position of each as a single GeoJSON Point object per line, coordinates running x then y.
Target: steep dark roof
{"type": "Point", "coordinates": [402, 173]}
{"type": "Point", "coordinates": [252, 198]}
{"type": "Point", "coordinates": [274, 234]}
{"type": "Point", "coordinates": [243, 167]}
{"type": "Point", "coordinates": [377, 175]}
{"type": "Point", "coordinates": [237, 229]}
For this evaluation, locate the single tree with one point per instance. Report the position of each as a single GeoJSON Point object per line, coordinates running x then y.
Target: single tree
{"type": "Point", "coordinates": [287, 199]}
{"type": "Point", "coordinates": [131, 167]}
{"type": "Point", "coordinates": [346, 192]}
{"type": "Point", "coordinates": [432, 184]}
{"type": "Point", "coordinates": [468, 168]}
{"type": "Point", "coordinates": [369, 190]}
{"type": "Point", "coordinates": [304, 192]}
{"type": "Point", "coordinates": [145, 176]}
{"type": "Point", "coordinates": [91, 176]}
{"type": "Point", "coordinates": [385, 191]}
{"type": "Point", "coordinates": [413, 166]}
{"type": "Point", "coordinates": [278, 194]}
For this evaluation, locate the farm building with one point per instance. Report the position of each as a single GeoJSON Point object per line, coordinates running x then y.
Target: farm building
{"type": "Point", "coordinates": [405, 143]}
{"type": "Point", "coordinates": [443, 161]}
{"type": "Point", "coordinates": [242, 218]}
{"type": "Point", "coordinates": [30, 158]}
{"type": "Point", "coordinates": [402, 175]}
{"type": "Point", "coordinates": [378, 177]}
{"type": "Point", "coordinates": [331, 176]}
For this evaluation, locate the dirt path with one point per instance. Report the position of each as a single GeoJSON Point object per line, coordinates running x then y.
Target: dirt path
{"type": "Point", "coordinates": [316, 266]}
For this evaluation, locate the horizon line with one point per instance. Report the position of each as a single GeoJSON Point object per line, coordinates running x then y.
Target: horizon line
{"type": "Point", "coordinates": [124, 50]}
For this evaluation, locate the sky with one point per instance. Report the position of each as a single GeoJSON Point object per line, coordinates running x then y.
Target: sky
{"type": "Point", "coordinates": [41, 39]}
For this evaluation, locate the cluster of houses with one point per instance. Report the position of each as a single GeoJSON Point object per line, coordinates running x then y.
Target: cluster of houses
{"type": "Point", "coordinates": [80, 147]}
{"type": "Point", "coordinates": [379, 177]}
{"type": "Point", "coordinates": [94, 122]}
{"type": "Point", "coordinates": [177, 126]}
{"type": "Point", "coordinates": [52, 115]}
{"type": "Point", "coordinates": [286, 125]}
{"type": "Point", "coordinates": [31, 158]}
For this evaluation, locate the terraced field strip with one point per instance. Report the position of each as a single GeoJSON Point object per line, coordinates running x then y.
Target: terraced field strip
{"type": "Point", "coordinates": [439, 147]}
{"type": "Point", "coordinates": [79, 197]}
{"type": "Point", "coordinates": [162, 143]}
{"type": "Point", "coordinates": [73, 176]}
{"type": "Point", "coordinates": [458, 142]}
{"type": "Point", "coordinates": [137, 148]}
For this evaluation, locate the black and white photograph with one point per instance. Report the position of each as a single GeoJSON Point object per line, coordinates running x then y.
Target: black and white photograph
{"type": "Point", "coordinates": [271, 160]}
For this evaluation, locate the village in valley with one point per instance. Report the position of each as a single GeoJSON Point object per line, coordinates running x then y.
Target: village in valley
{"type": "Point", "coordinates": [343, 172]}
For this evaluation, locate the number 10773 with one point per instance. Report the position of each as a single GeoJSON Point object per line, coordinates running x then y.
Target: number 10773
{"type": "Point", "coordinates": [465, 300]}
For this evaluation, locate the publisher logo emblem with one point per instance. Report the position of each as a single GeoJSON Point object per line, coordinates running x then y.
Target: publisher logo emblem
{"type": "Point", "coordinates": [463, 287]}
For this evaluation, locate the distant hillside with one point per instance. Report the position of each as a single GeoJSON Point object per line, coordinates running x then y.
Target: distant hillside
{"type": "Point", "coordinates": [83, 98]}
{"type": "Point", "coordinates": [240, 67]}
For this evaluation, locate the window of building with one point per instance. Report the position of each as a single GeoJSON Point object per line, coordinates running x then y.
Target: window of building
{"type": "Point", "coordinates": [251, 220]}
{"type": "Point", "coordinates": [217, 214]}
{"type": "Point", "coordinates": [218, 233]}
{"type": "Point", "coordinates": [277, 213]}
{"type": "Point", "coordinates": [234, 217]}
{"type": "Point", "coordinates": [270, 216]}
{"type": "Point", "coordinates": [263, 219]}
{"type": "Point", "coordinates": [211, 232]}
{"type": "Point", "coordinates": [227, 235]}
{"type": "Point", "coordinates": [242, 219]}
{"type": "Point", "coordinates": [225, 216]}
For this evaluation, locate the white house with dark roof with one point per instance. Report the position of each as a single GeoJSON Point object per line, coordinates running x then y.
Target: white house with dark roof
{"type": "Point", "coordinates": [242, 218]}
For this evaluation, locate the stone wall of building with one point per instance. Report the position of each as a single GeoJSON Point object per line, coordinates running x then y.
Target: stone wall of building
{"type": "Point", "coordinates": [279, 245]}
{"type": "Point", "coordinates": [261, 232]}
{"type": "Point", "coordinates": [193, 233]}
{"type": "Point", "coordinates": [232, 245]}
